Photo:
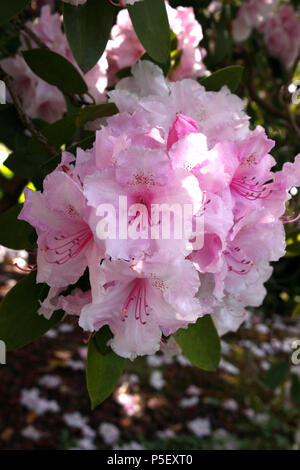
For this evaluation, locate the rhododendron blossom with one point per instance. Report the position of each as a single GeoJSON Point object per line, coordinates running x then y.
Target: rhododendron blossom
{"type": "Point", "coordinates": [280, 27]}
{"type": "Point", "coordinates": [124, 49]}
{"type": "Point", "coordinates": [66, 245]}
{"type": "Point", "coordinates": [251, 14]}
{"type": "Point", "coordinates": [142, 301]}
{"type": "Point", "coordinates": [282, 35]}
{"type": "Point", "coordinates": [172, 143]}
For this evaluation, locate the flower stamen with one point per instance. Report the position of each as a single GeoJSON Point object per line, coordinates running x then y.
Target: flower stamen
{"type": "Point", "coordinates": [250, 188]}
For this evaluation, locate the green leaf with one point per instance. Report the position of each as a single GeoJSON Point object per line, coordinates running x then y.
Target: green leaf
{"type": "Point", "coordinates": [11, 8]}
{"type": "Point", "coordinates": [200, 343]}
{"type": "Point", "coordinates": [88, 29]}
{"type": "Point", "coordinates": [230, 76]}
{"type": "Point", "coordinates": [151, 24]}
{"type": "Point", "coordinates": [56, 70]}
{"type": "Point", "coordinates": [104, 368]}
{"type": "Point", "coordinates": [15, 234]}
{"type": "Point", "coordinates": [20, 323]}
{"type": "Point", "coordinates": [276, 374]}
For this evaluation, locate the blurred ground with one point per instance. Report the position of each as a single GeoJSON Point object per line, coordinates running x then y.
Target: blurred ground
{"type": "Point", "coordinates": [160, 402]}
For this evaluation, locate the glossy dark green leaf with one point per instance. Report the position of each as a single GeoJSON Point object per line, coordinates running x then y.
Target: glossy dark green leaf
{"type": "Point", "coordinates": [104, 368]}
{"type": "Point", "coordinates": [20, 323]}
{"type": "Point", "coordinates": [14, 233]}
{"type": "Point", "coordinates": [230, 76]}
{"type": "Point", "coordinates": [56, 70]}
{"type": "Point", "coordinates": [276, 374]}
{"type": "Point", "coordinates": [88, 29]}
{"type": "Point", "coordinates": [200, 343]}
{"type": "Point", "coordinates": [151, 24]}
{"type": "Point", "coordinates": [11, 8]}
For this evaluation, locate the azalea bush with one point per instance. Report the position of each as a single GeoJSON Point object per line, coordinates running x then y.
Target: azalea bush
{"type": "Point", "coordinates": [152, 159]}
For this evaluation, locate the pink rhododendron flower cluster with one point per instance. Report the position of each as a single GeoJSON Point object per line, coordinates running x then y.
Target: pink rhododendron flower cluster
{"type": "Point", "coordinates": [282, 35]}
{"type": "Point", "coordinates": [40, 99]}
{"type": "Point", "coordinates": [280, 29]}
{"type": "Point", "coordinates": [124, 49]}
{"type": "Point", "coordinates": [172, 143]}
{"type": "Point", "coordinates": [251, 14]}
